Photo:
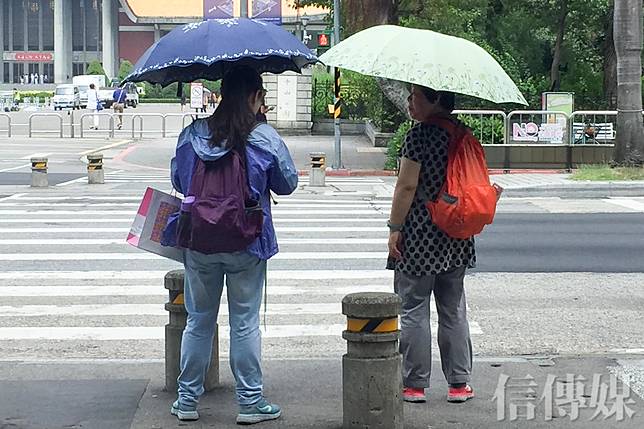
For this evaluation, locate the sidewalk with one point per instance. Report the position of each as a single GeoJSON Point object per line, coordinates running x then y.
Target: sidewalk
{"type": "Point", "coordinates": [120, 395]}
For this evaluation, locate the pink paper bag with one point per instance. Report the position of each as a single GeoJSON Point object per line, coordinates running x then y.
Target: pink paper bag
{"type": "Point", "coordinates": [150, 221]}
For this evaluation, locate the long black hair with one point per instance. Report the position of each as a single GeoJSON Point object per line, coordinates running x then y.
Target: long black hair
{"type": "Point", "coordinates": [233, 120]}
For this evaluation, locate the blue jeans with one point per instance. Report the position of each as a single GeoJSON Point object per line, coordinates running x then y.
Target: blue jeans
{"type": "Point", "coordinates": [204, 282]}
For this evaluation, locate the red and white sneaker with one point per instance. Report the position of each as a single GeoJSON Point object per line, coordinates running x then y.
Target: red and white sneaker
{"type": "Point", "coordinates": [460, 394]}
{"type": "Point", "coordinates": [412, 394]}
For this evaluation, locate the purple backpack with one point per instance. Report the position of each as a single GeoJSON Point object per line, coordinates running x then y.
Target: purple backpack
{"type": "Point", "coordinates": [223, 217]}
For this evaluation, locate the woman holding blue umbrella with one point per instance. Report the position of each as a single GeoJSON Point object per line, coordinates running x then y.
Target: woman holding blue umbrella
{"type": "Point", "coordinates": [237, 50]}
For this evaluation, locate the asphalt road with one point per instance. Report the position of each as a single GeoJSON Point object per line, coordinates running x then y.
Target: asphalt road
{"type": "Point", "coordinates": [598, 243]}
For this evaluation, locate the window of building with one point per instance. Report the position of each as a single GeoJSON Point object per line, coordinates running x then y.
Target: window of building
{"type": "Point", "coordinates": [18, 71]}
{"type": "Point", "coordinates": [92, 25]}
{"type": "Point", "coordinates": [78, 68]}
{"type": "Point", "coordinates": [33, 24]}
{"type": "Point", "coordinates": [34, 68]}
{"type": "Point", "coordinates": [18, 18]}
{"type": "Point", "coordinates": [5, 73]}
{"type": "Point", "coordinates": [4, 10]}
{"type": "Point", "coordinates": [78, 23]}
{"type": "Point", "coordinates": [48, 25]}
{"type": "Point", "coordinates": [48, 72]}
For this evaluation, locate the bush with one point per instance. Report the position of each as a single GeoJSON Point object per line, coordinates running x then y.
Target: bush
{"type": "Point", "coordinates": [160, 100]}
{"type": "Point", "coordinates": [125, 69]}
{"type": "Point", "coordinates": [489, 129]}
{"type": "Point", "coordinates": [21, 95]}
{"type": "Point", "coordinates": [396, 142]}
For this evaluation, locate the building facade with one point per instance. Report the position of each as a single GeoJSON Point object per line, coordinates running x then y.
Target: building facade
{"type": "Point", "coordinates": [57, 39]}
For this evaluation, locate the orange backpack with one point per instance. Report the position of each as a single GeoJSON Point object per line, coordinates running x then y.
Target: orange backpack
{"type": "Point", "coordinates": [467, 201]}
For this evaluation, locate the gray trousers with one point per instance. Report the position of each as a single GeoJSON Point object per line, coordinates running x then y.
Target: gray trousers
{"type": "Point", "coordinates": [453, 330]}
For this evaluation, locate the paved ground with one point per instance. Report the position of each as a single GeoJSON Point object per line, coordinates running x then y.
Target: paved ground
{"type": "Point", "coordinates": [82, 313]}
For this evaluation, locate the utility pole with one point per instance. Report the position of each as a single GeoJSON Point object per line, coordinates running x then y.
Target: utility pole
{"type": "Point", "coordinates": [243, 8]}
{"type": "Point", "coordinates": [337, 163]}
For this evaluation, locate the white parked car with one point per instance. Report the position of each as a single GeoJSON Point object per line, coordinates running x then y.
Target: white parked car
{"type": "Point", "coordinates": [66, 97]}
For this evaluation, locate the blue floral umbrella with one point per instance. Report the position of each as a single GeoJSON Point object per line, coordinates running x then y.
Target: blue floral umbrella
{"type": "Point", "coordinates": [207, 49]}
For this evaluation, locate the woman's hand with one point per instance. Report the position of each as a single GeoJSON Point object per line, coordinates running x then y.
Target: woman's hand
{"type": "Point", "coordinates": [395, 245]}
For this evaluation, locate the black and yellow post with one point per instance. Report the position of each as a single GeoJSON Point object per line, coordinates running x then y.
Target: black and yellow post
{"type": "Point", "coordinates": [39, 173]}
{"type": "Point", "coordinates": [174, 332]}
{"type": "Point", "coordinates": [95, 173]}
{"type": "Point", "coordinates": [317, 172]}
{"type": "Point", "coordinates": [371, 369]}
{"type": "Point", "coordinates": [337, 111]}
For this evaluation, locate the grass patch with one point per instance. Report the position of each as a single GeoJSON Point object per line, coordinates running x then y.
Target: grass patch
{"type": "Point", "coordinates": [607, 173]}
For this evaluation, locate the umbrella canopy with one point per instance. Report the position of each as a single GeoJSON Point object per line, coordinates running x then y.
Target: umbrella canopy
{"type": "Point", "coordinates": [426, 58]}
{"type": "Point", "coordinates": [207, 49]}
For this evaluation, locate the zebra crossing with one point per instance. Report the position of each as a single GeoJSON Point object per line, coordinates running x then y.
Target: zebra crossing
{"type": "Point", "coordinates": [72, 288]}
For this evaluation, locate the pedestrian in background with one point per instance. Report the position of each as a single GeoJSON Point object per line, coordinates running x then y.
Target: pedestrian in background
{"type": "Point", "coordinates": [92, 104]}
{"type": "Point", "coordinates": [183, 100]}
{"type": "Point", "coordinates": [120, 97]}
{"type": "Point", "coordinates": [426, 259]}
{"type": "Point", "coordinates": [269, 167]}
{"type": "Point", "coordinates": [204, 102]}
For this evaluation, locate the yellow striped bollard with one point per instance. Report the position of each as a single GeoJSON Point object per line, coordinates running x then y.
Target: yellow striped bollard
{"type": "Point", "coordinates": [371, 369]}
{"type": "Point", "coordinates": [95, 173]}
{"type": "Point", "coordinates": [39, 173]}
{"type": "Point", "coordinates": [174, 333]}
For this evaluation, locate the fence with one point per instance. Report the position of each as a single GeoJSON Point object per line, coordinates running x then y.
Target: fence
{"type": "Point", "coordinates": [110, 127]}
{"type": "Point", "coordinates": [8, 130]}
{"type": "Point", "coordinates": [59, 131]}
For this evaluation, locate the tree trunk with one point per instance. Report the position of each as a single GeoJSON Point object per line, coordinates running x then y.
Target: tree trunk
{"type": "Point", "coordinates": [610, 64]}
{"type": "Point", "coordinates": [629, 147]}
{"type": "Point", "coordinates": [362, 14]}
{"type": "Point", "coordinates": [555, 73]}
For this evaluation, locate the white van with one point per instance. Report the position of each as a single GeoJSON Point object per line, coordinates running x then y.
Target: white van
{"type": "Point", "coordinates": [66, 97]}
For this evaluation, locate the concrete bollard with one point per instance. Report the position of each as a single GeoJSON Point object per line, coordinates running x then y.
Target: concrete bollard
{"type": "Point", "coordinates": [174, 332]}
{"type": "Point", "coordinates": [317, 172]}
{"type": "Point", "coordinates": [95, 172]}
{"type": "Point", "coordinates": [39, 173]}
{"type": "Point", "coordinates": [371, 369]}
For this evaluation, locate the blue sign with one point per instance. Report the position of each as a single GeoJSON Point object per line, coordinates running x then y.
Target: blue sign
{"type": "Point", "coordinates": [218, 9]}
{"type": "Point", "coordinates": [267, 11]}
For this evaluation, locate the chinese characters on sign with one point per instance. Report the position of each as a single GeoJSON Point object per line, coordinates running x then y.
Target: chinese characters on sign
{"type": "Point", "coordinates": [36, 57]}
{"type": "Point", "coordinates": [531, 132]}
{"type": "Point", "coordinates": [517, 398]}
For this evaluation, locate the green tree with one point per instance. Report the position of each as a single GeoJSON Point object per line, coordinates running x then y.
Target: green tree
{"type": "Point", "coordinates": [629, 148]}
{"type": "Point", "coordinates": [95, 67]}
{"type": "Point", "coordinates": [125, 69]}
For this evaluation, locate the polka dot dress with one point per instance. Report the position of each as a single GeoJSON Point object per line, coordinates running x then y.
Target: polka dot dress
{"type": "Point", "coordinates": [427, 250]}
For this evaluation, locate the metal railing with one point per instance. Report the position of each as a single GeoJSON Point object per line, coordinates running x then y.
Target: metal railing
{"type": "Point", "coordinates": [91, 115]}
{"type": "Point", "coordinates": [8, 130]}
{"type": "Point", "coordinates": [173, 132]}
{"type": "Point", "coordinates": [141, 117]}
{"type": "Point", "coordinates": [600, 130]}
{"type": "Point", "coordinates": [59, 131]}
{"type": "Point", "coordinates": [481, 114]}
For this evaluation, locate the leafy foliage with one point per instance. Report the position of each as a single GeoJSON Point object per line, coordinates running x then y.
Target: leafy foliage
{"type": "Point", "coordinates": [125, 69]}
{"type": "Point", "coordinates": [393, 148]}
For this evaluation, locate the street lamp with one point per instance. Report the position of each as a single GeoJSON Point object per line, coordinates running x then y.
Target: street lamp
{"type": "Point", "coordinates": [306, 37]}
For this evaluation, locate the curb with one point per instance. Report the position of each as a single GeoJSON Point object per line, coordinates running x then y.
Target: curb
{"type": "Point", "coordinates": [578, 191]}
{"type": "Point", "coordinates": [352, 173]}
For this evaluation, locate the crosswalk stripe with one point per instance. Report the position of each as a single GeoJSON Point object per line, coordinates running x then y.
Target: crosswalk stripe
{"type": "Point", "coordinates": [62, 333]}
{"type": "Point", "coordinates": [280, 206]}
{"type": "Point", "coordinates": [121, 240]}
{"type": "Point", "coordinates": [129, 220]}
{"type": "Point", "coordinates": [275, 212]}
{"type": "Point", "coordinates": [159, 275]}
{"type": "Point", "coordinates": [59, 230]}
{"type": "Point", "coordinates": [144, 256]}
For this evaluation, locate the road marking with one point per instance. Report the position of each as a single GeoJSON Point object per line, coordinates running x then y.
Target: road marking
{"type": "Point", "coordinates": [56, 230]}
{"type": "Point", "coordinates": [283, 256]}
{"type": "Point", "coordinates": [4, 170]}
{"type": "Point", "coordinates": [627, 202]}
{"type": "Point", "coordinates": [133, 212]}
{"type": "Point", "coordinates": [36, 155]}
{"type": "Point", "coordinates": [158, 332]}
{"type": "Point", "coordinates": [281, 205]}
{"type": "Point", "coordinates": [94, 241]}
{"type": "Point", "coordinates": [160, 274]}
{"type": "Point", "coordinates": [129, 220]}
{"type": "Point", "coordinates": [80, 179]}
{"type": "Point", "coordinates": [11, 197]}
{"type": "Point", "coordinates": [159, 291]}
{"type": "Point", "coordinates": [110, 146]}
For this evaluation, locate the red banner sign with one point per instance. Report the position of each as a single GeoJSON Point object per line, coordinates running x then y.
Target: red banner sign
{"type": "Point", "coordinates": [39, 57]}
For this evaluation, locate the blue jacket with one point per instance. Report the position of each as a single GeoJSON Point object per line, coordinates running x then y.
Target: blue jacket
{"type": "Point", "coordinates": [269, 165]}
